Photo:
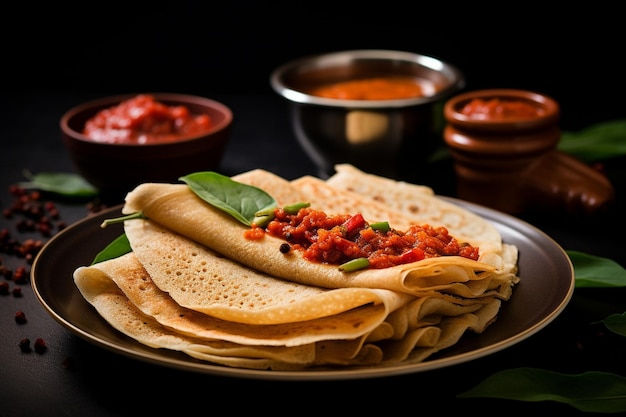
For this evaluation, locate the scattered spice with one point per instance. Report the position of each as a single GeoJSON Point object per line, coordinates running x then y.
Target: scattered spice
{"type": "Point", "coordinates": [24, 345]}
{"type": "Point", "coordinates": [20, 317]}
{"type": "Point", "coordinates": [20, 276]}
{"type": "Point", "coordinates": [30, 214]}
{"type": "Point", "coordinates": [40, 345]}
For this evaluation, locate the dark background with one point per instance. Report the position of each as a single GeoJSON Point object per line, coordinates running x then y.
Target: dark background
{"type": "Point", "coordinates": [56, 55]}
{"type": "Point", "coordinates": [204, 47]}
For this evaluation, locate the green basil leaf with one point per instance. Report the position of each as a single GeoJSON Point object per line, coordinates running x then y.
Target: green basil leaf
{"type": "Point", "coordinates": [616, 323]}
{"type": "Point", "coordinates": [596, 142]}
{"type": "Point", "coordinates": [596, 272]}
{"type": "Point", "coordinates": [599, 392]}
{"type": "Point", "coordinates": [120, 246]}
{"type": "Point", "coordinates": [242, 201]}
{"type": "Point", "coordinates": [66, 184]}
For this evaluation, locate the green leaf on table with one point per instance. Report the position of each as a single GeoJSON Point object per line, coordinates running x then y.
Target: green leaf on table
{"type": "Point", "coordinates": [599, 392]}
{"type": "Point", "coordinates": [242, 201]}
{"type": "Point", "coordinates": [599, 141]}
{"type": "Point", "coordinates": [120, 246]}
{"type": "Point", "coordinates": [596, 272]}
{"type": "Point", "coordinates": [616, 323]}
{"type": "Point", "coordinates": [62, 183]}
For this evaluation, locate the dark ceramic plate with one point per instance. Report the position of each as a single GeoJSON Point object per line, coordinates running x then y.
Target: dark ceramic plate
{"type": "Point", "coordinates": [547, 285]}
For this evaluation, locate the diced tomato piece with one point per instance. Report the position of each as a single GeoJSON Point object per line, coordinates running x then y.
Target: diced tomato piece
{"type": "Point", "coordinates": [413, 255]}
{"type": "Point", "coordinates": [354, 223]}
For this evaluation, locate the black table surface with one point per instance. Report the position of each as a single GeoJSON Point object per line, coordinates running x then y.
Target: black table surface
{"type": "Point", "coordinates": [76, 378]}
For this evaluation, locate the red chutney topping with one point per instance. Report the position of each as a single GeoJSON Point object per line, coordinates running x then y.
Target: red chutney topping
{"type": "Point", "coordinates": [497, 109]}
{"type": "Point", "coordinates": [388, 88]}
{"type": "Point", "coordinates": [338, 239]}
{"type": "Point", "coordinates": [142, 119]}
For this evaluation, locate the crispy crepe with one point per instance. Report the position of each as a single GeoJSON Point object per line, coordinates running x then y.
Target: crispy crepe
{"type": "Point", "coordinates": [177, 208]}
{"type": "Point", "coordinates": [129, 277]}
{"type": "Point", "coordinates": [123, 293]}
{"type": "Point", "coordinates": [194, 284]}
{"type": "Point", "coordinates": [202, 280]}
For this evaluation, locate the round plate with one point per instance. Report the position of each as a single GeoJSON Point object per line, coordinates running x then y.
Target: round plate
{"type": "Point", "coordinates": [546, 286]}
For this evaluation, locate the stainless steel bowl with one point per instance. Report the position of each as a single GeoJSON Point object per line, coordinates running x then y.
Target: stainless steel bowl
{"type": "Point", "coordinates": [387, 137]}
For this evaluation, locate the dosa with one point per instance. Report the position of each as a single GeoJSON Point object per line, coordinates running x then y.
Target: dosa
{"type": "Point", "coordinates": [177, 208]}
{"type": "Point", "coordinates": [193, 283]}
{"type": "Point", "coordinates": [205, 281]}
{"type": "Point", "coordinates": [123, 294]}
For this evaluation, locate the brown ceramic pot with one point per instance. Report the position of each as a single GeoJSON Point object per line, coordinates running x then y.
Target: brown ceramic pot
{"type": "Point", "coordinates": [116, 168]}
{"type": "Point", "coordinates": [504, 146]}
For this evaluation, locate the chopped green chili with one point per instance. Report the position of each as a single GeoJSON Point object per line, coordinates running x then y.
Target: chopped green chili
{"type": "Point", "coordinates": [381, 226]}
{"type": "Point", "coordinates": [295, 208]}
{"type": "Point", "coordinates": [354, 265]}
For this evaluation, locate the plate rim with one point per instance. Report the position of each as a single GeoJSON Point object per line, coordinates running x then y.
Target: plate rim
{"type": "Point", "coordinates": [183, 362]}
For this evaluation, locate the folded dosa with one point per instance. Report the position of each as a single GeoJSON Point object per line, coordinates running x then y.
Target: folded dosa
{"type": "Point", "coordinates": [101, 291]}
{"type": "Point", "coordinates": [177, 208]}
{"type": "Point", "coordinates": [193, 283]}
{"type": "Point", "coordinates": [126, 275]}
{"type": "Point", "coordinates": [204, 281]}
{"type": "Point", "coordinates": [124, 295]}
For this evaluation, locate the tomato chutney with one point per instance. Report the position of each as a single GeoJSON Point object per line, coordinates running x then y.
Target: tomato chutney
{"type": "Point", "coordinates": [378, 88]}
{"type": "Point", "coordinates": [337, 239]}
{"type": "Point", "coordinates": [144, 120]}
{"type": "Point", "coordinates": [499, 108]}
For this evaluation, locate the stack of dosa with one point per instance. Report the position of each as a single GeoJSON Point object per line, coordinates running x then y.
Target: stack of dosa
{"type": "Point", "coordinates": [193, 282]}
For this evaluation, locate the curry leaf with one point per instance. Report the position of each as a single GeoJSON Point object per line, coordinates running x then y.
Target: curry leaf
{"type": "Point", "coordinates": [599, 392]}
{"type": "Point", "coordinates": [596, 272]}
{"type": "Point", "coordinates": [66, 184]}
{"type": "Point", "coordinates": [616, 323]}
{"type": "Point", "coordinates": [120, 246]}
{"type": "Point", "coordinates": [596, 142]}
{"type": "Point", "coordinates": [242, 201]}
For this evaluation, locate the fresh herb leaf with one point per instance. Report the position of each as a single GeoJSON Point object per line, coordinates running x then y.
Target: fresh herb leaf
{"type": "Point", "coordinates": [616, 323]}
{"type": "Point", "coordinates": [242, 201]}
{"type": "Point", "coordinates": [599, 392]}
{"type": "Point", "coordinates": [66, 184]}
{"type": "Point", "coordinates": [120, 246]}
{"type": "Point", "coordinates": [596, 142]}
{"type": "Point", "coordinates": [596, 272]}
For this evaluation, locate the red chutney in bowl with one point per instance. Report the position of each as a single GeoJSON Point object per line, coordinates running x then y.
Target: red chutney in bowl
{"type": "Point", "coordinates": [378, 88]}
{"type": "Point", "coordinates": [499, 108]}
{"type": "Point", "coordinates": [142, 119]}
